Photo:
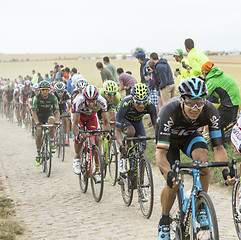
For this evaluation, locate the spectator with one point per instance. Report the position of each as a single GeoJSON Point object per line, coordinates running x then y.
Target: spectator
{"type": "Point", "coordinates": [126, 81]}
{"type": "Point", "coordinates": [111, 67]}
{"type": "Point", "coordinates": [40, 78]}
{"type": "Point", "coordinates": [104, 72]}
{"type": "Point", "coordinates": [69, 86]}
{"type": "Point", "coordinates": [141, 57]}
{"type": "Point", "coordinates": [56, 67]}
{"type": "Point", "coordinates": [47, 78]}
{"type": "Point", "coordinates": [20, 79]}
{"type": "Point", "coordinates": [75, 77]}
{"type": "Point", "coordinates": [183, 72]}
{"type": "Point", "coordinates": [226, 89]}
{"type": "Point", "coordinates": [164, 75]}
{"type": "Point", "coordinates": [52, 76]}
{"type": "Point", "coordinates": [195, 57]}
{"type": "Point", "coordinates": [66, 75]}
{"type": "Point", "coordinates": [34, 78]}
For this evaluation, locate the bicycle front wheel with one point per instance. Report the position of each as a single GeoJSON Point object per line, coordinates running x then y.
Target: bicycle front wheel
{"type": "Point", "coordinates": [48, 156]}
{"type": "Point", "coordinates": [203, 201]}
{"type": "Point", "coordinates": [145, 186]}
{"type": "Point", "coordinates": [236, 206]}
{"type": "Point", "coordinates": [113, 162]}
{"type": "Point", "coordinates": [83, 178]}
{"type": "Point", "coordinates": [96, 176]}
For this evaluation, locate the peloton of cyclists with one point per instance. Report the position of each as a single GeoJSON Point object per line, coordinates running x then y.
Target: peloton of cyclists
{"type": "Point", "coordinates": [45, 110]}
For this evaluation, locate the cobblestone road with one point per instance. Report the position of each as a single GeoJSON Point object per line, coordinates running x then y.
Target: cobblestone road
{"type": "Point", "coordinates": [54, 208]}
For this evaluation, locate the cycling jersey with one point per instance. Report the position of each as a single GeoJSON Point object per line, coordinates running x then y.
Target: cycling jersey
{"type": "Point", "coordinates": [171, 124]}
{"type": "Point", "coordinates": [80, 106]}
{"type": "Point", "coordinates": [114, 105]}
{"type": "Point", "coordinates": [63, 103]}
{"type": "Point", "coordinates": [9, 94]}
{"type": "Point", "coordinates": [25, 92]}
{"type": "Point", "coordinates": [45, 105]}
{"type": "Point", "coordinates": [129, 112]}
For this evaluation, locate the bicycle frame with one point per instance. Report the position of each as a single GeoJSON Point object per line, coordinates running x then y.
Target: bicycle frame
{"type": "Point", "coordinates": [196, 188]}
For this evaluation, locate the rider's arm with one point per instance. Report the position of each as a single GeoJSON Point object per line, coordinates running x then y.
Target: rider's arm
{"type": "Point", "coordinates": [75, 128]}
{"type": "Point", "coordinates": [106, 123]}
{"type": "Point", "coordinates": [35, 117]}
{"type": "Point", "coordinates": [57, 115]}
{"type": "Point", "coordinates": [121, 86]}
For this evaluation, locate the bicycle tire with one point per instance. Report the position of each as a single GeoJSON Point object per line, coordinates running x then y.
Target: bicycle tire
{"type": "Point", "coordinates": [83, 178]}
{"type": "Point", "coordinates": [204, 201]}
{"type": "Point", "coordinates": [113, 162]}
{"type": "Point", "coordinates": [145, 184]}
{"type": "Point", "coordinates": [62, 142]}
{"type": "Point", "coordinates": [126, 182]}
{"type": "Point", "coordinates": [96, 162]}
{"type": "Point", "coordinates": [48, 156]}
{"type": "Point", "coordinates": [235, 207]}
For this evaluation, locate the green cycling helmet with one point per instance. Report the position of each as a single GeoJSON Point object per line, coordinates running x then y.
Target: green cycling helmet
{"type": "Point", "coordinates": [44, 84]}
{"type": "Point", "coordinates": [110, 86]}
{"type": "Point", "coordinates": [140, 91]}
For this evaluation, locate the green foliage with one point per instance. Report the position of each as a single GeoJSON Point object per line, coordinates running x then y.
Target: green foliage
{"type": "Point", "coordinates": [136, 50]}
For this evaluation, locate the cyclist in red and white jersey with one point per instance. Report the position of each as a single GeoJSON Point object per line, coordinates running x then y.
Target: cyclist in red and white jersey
{"type": "Point", "coordinates": [85, 109]}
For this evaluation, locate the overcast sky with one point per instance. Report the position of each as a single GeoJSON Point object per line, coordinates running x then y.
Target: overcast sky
{"type": "Point", "coordinates": [106, 26]}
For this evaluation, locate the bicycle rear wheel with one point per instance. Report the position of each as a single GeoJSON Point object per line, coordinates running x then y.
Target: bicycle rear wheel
{"type": "Point", "coordinates": [61, 143]}
{"type": "Point", "coordinates": [48, 156]}
{"type": "Point", "coordinates": [203, 201]}
{"type": "Point", "coordinates": [96, 176]}
{"type": "Point", "coordinates": [236, 207]}
{"type": "Point", "coordinates": [113, 162]}
{"type": "Point", "coordinates": [145, 186]}
{"type": "Point", "coordinates": [83, 178]}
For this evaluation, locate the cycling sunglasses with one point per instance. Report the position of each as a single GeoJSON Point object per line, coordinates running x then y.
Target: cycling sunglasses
{"type": "Point", "coordinates": [140, 102]}
{"type": "Point", "coordinates": [111, 94]}
{"type": "Point", "coordinates": [59, 91]}
{"type": "Point", "coordinates": [192, 105]}
{"type": "Point", "coordinates": [44, 89]}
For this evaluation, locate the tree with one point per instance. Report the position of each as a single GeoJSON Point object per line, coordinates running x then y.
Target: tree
{"type": "Point", "coordinates": [137, 50]}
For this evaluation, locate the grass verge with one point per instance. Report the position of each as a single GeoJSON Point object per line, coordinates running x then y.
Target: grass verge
{"type": "Point", "coordinates": [9, 228]}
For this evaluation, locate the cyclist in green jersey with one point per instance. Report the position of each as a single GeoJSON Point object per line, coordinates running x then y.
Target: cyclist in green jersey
{"type": "Point", "coordinates": [45, 110]}
{"type": "Point", "coordinates": [112, 97]}
{"type": "Point", "coordinates": [226, 89]}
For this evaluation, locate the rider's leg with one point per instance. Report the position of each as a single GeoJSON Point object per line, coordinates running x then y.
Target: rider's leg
{"type": "Point", "coordinates": [51, 120]}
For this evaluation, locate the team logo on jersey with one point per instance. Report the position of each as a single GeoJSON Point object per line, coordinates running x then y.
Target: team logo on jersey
{"type": "Point", "coordinates": [168, 125]}
{"type": "Point", "coordinates": [214, 120]}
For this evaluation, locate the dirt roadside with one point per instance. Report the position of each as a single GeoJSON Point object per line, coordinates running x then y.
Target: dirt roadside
{"type": "Point", "coordinates": [54, 208]}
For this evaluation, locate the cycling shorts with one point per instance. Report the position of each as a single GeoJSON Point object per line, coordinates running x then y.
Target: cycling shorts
{"type": "Point", "coordinates": [187, 145]}
{"type": "Point", "coordinates": [139, 128]}
{"type": "Point", "coordinates": [90, 120]}
{"type": "Point", "coordinates": [43, 117]}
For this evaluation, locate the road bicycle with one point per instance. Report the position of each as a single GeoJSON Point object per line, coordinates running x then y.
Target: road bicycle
{"type": "Point", "coordinates": [139, 175]}
{"type": "Point", "coordinates": [26, 119]}
{"type": "Point", "coordinates": [91, 165]}
{"type": "Point", "coordinates": [185, 211]}
{"type": "Point", "coordinates": [46, 153]}
{"type": "Point", "coordinates": [110, 156]}
{"type": "Point", "coordinates": [60, 138]}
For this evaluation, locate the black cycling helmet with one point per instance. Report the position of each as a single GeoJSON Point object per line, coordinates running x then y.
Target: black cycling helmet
{"type": "Point", "coordinates": [192, 88]}
{"type": "Point", "coordinates": [44, 84]}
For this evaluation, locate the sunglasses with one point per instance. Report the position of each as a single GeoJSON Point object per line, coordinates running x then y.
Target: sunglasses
{"type": "Point", "coordinates": [192, 105]}
{"type": "Point", "coordinates": [140, 102]}
{"type": "Point", "coordinates": [59, 91]}
{"type": "Point", "coordinates": [45, 90]}
{"type": "Point", "coordinates": [111, 94]}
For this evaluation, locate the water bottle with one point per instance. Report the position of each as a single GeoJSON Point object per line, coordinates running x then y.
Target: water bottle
{"type": "Point", "coordinates": [184, 207]}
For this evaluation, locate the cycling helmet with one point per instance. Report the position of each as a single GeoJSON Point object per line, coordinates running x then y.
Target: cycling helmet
{"type": "Point", "coordinates": [110, 86]}
{"type": "Point", "coordinates": [36, 86]}
{"type": "Point", "coordinates": [27, 83]}
{"type": "Point", "coordinates": [60, 86]}
{"type": "Point", "coordinates": [44, 84]}
{"type": "Point", "coordinates": [140, 91]}
{"type": "Point", "coordinates": [81, 84]}
{"type": "Point", "coordinates": [192, 88]}
{"type": "Point", "coordinates": [91, 92]}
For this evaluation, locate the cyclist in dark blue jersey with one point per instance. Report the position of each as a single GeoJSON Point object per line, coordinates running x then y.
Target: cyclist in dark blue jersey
{"type": "Point", "coordinates": [130, 114]}
{"type": "Point", "coordinates": [177, 129]}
